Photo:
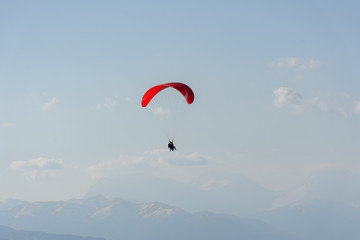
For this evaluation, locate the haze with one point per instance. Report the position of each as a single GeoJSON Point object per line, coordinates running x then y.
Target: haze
{"type": "Point", "coordinates": [275, 118]}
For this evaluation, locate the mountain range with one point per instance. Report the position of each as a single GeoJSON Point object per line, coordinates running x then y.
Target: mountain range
{"type": "Point", "coordinates": [235, 194]}
{"type": "Point", "coordinates": [115, 219]}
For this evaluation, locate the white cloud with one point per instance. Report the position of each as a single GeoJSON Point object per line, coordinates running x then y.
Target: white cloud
{"type": "Point", "coordinates": [346, 95]}
{"type": "Point", "coordinates": [289, 62]}
{"type": "Point", "coordinates": [321, 105]}
{"type": "Point", "coordinates": [160, 111]}
{"type": "Point", "coordinates": [8, 124]}
{"type": "Point", "coordinates": [312, 63]}
{"type": "Point", "coordinates": [129, 100]}
{"type": "Point", "coordinates": [357, 106]}
{"type": "Point", "coordinates": [194, 159]}
{"type": "Point", "coordinates": [295, 64]}
{"type": "Point", "coordinates": [107, 105]}
{"type": "Point", "coordinates": [294, 68]}
{"type": "Point", "coordinates": [97, 171]}
{"type": "Point", "coordinates": [213, 184]}
{"type": "Point", "coordinates": [342, 111]}
{"type": "Point", "coordinates": [285, 96]}
{"type": "Point", "coordinates": [149, 161]}
{"type": "Point", "coordinates": [37, 167]}
{"type": "Point", "coordinates": [162, 156]}
{"type": "Point", "coordinates": [49, 105]}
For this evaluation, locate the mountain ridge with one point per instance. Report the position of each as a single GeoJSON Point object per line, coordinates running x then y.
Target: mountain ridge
{"type": "Point", "coordinates": [116, 218]}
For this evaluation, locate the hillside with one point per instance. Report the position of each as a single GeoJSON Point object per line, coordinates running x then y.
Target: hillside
{"type": "Point", "coordinates": [7, 233]}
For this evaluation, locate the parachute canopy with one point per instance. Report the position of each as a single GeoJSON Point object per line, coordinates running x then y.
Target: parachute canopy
{"type": "Point", "coordinates": [181, 87]}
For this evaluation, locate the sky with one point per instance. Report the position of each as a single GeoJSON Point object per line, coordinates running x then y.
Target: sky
{"type": "Point", "coordinates": [276, 86]}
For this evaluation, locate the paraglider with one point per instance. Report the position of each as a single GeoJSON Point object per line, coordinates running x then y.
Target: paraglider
{"type": "Point", "coordinates": [181, 87]}
{"type": "Point", "coordinates": [185, 90]}
{"type": "Point", "coordinates": [171, 145]}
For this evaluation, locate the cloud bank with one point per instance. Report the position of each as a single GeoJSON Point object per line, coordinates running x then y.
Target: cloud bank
{"type": "Point", "coordinates": [290, 98]}
{"type": "Point", "coordinates": [34, 168]}
{"type": "Point", "coordinates": [149, 161]}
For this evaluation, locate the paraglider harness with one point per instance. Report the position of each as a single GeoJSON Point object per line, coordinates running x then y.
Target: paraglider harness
{"type": "Point", "coordinates": [171, 145]}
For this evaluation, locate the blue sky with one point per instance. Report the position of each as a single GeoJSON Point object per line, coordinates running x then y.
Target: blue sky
{"type": "Point", "coordinates": [276, 94]}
